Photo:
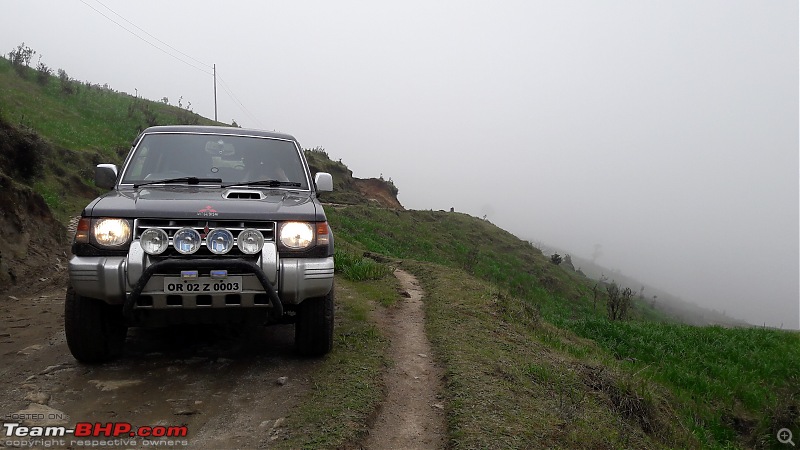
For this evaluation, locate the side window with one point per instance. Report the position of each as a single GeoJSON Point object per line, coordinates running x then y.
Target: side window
{"type": "Point", "coordinates": [136, 166]}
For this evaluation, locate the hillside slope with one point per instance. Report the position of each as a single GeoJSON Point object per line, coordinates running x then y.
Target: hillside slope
{"type": "Point", "coordinates": [530, 356]}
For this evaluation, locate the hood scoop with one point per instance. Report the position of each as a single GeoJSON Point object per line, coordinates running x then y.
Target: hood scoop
{"type": "Point", "coordinates": [244, 194]}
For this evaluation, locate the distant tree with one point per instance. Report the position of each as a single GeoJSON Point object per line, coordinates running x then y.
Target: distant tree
{"type": "Point", "coordinates": [20, 58]}
{"type": "Point", "coordinates": [43, 72]}
{"type": "Point", "coordinates": [65, 82]}
{"type": "Point", "coordinates": [555, 258]}
{"type": "Point", "coordinates": [165, 100]}
{"type": "Point", "coordinates": [619, 301]}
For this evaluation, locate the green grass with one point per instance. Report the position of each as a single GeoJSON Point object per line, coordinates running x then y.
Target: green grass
{"type": "Point", "coordinates": [744, 380]}
{"type": "Point", "coordinates": [358, 268]}
{"type": "Point", "coordinates": [477, 247]}
{"type": "Point", "coordinates": [348, 387]}
{"type": "Point", "coordinates": [726, 387]}
{"type": "Point", "coordinates": [93, 124]}
{"type": "Point", "coordinates": [93, 117]}
{"type": "Point", "coordinates": [512, 384]}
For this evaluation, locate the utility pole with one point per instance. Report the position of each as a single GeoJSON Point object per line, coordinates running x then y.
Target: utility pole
{"type": "Point", "coordinates": [215, 93]}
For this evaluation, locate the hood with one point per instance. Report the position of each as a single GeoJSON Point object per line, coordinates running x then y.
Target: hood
{"type": "Point", "coordinates": [191, 202]}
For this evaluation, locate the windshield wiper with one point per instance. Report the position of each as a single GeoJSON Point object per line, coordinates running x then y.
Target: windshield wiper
{"type": "Point", "coordinates": [268, 183]}
{"type": "Point", "coordinates": [187, 180]}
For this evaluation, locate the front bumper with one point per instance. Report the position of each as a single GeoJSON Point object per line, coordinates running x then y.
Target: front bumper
{"type": "Point", "coordinates": [115, 279]}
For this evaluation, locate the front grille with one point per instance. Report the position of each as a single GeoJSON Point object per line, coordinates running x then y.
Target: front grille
{"type": "Point", "coordinates": [203, 227]}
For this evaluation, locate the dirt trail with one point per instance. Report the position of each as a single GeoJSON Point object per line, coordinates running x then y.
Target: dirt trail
{"type": "Point", "coordinates": [412, 417]}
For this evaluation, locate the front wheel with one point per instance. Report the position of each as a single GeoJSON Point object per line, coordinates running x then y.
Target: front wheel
{"type": "Point", "coordinates": [313, 330]}
{"type": "Point", "coordinates": [95, 330]}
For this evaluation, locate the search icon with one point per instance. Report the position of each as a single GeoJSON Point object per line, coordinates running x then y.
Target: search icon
{"type": "Point", "coordinates": [785, 436]}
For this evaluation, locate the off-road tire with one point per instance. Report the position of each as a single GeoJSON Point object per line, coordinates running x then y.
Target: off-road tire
{"type": "Point", "coordinates": [95, 330]}
{"type": "Point", "coordinates": [313, 330]}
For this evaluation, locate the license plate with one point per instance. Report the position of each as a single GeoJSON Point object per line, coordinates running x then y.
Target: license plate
{"type": "Point", "coordinates": [202, 285]}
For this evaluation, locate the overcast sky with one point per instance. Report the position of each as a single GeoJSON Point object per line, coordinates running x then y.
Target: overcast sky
{"type": "Point", "coordinates": [665, 131]}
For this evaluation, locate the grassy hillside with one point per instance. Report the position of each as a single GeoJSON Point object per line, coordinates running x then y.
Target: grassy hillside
{"type": "Point", "coordinates": [481, 249]}
{"type": "Point", "coordinates": [73, 126]}
{"type": "Point", "coordinates": [528, 319]}
{"type": "Point", "coordinates": [530, 356]}
{"type": "Point", "coordinates": [79, 115]}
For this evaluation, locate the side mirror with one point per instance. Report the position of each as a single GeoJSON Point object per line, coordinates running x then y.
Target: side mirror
{"type": "Point", "coordinates": [105, 175]}
{"type": "Point", "coordinates": [324, 182]}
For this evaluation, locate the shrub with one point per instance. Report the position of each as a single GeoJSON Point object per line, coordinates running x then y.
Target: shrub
{"type": "Point", "coordinates": [43, 73]}
{"type": "Point", "coordinates": [619, 301]}
{"type": "Point", "coordinates": [66, 82]}
{"type": "Point", "coordinates": [357, 268]}
{"type": "Point", "coordinates": [21, 58]}
{"type": "Point", "coordinates": [555, 259]}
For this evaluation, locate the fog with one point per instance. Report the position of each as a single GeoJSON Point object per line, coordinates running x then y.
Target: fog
{"type": "Point", "coordinates": [664, 131]}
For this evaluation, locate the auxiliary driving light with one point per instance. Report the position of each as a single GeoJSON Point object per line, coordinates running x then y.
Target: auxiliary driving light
{"type": "Point", "coordinates": [186, 241]}
{"type": "Point", "coordinates": [154, 241]}
{"type": "Point", "coordinates": [219, 241]}
{"type": "Point", "coordinates": [250, 241]}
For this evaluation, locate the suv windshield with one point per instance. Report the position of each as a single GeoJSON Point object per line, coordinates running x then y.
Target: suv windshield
{"type": "Point", "coordinates": [232, 159]}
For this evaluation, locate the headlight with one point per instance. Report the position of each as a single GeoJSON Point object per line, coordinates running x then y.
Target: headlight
{"type": "Point", "coordinates": [250, 241]}
{"type": "Point", "coordinates": [111, 232]}
{"type": "Point", "coordinates": [154, 241]}
{"type": "Point", "coordinates": [219, 241]}
{"type": "Point", "coordinates": [186, 240]}
{"type": "Point", "coordinates": [297, 235]}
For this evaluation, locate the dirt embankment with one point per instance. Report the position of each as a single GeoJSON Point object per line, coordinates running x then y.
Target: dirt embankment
{"type": "Point", "coordinates": [378, 191]}
{"type": "Point", "coordinates": [33, 244]}
{"type": "Point", "coordinates": [349, 190]}
{"type": "Point", "coordinates": [32, 241]}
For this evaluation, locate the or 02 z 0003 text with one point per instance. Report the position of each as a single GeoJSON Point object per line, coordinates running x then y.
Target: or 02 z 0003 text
{"type": "Point", "coordinates": [202, 287]}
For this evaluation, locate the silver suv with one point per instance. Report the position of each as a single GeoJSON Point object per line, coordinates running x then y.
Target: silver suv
{"type": "Point", "coordinates": [202, 225]}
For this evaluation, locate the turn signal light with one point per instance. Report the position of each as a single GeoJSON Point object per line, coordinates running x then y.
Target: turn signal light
{"type": "Point", "coordinates": [322, 233]}
{"type": "Point", "coordinates": [82, 231]}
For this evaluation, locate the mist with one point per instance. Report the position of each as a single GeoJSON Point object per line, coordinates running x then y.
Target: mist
{"type": "Point", "coordinates": [666, 132]}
